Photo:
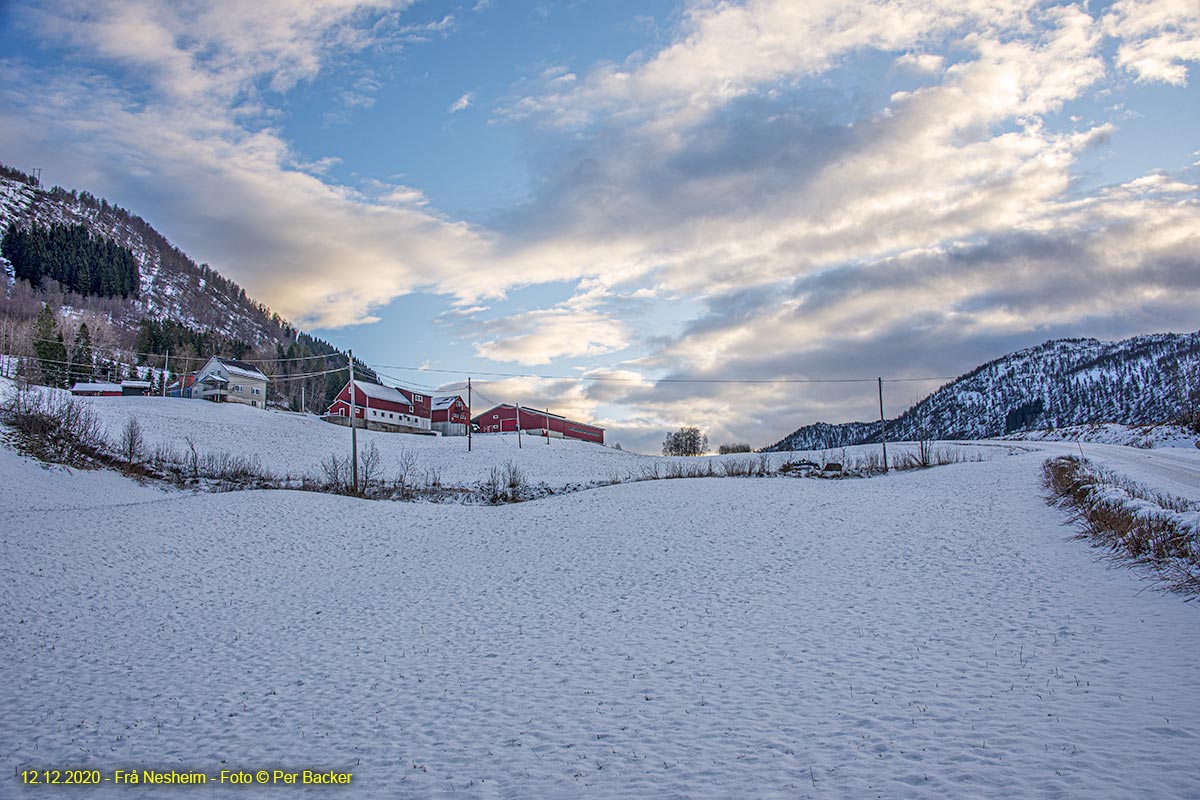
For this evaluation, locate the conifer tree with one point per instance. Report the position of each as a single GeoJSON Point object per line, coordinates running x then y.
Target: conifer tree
{"type": "Point", "coordinates": [81, 354]}
{"type": "Point", "coordinates": [49, 347]}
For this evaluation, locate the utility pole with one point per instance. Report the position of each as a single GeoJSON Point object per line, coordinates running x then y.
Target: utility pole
{"type": "Point", "coordinates": [547, 427]}
{"type": "Point", "coordinates": [518, 426]}
{"type": "Point", "coordinates": [303, 407]}
{"type": "Point", "coordinates": [353, 427]}
{"type": "Point", "coordinates": [883, 426]}
{"type": "Point", "coordinates": [469, 423]}
{"type": "Point", "coordinates": [167, 373]}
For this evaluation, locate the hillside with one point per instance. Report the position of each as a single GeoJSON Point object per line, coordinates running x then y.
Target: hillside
{"type": "Point", "coordinates": [179, 305]}
{"type": "Point", "coordinates": [1064, 382]}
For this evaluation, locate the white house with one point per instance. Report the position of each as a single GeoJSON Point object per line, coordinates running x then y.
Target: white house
{"type": "Point", "coordinates": [224, 380]}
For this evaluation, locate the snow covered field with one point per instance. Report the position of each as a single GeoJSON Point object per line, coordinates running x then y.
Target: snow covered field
{"type": "Point", "coordinates": [925, 634]}
{"type": "Point", "coordinates": [292, 444]}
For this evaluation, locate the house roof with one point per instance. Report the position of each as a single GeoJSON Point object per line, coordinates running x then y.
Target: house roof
{"type": "Point", "coordinates": [96, 387]}
{"type": "Point", "coordinates": [444, 402]}
{"type": "Point", "coordinates": [136, 384]}
{"type": "Point", "coordinates": [241, 369]}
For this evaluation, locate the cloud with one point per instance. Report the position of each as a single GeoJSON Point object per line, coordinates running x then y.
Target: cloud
{"type": "Point", "coordinates": [1158, 37]}
{"type": "Point", "coordinates": [543, 335]}
{"type": "Point", "coordinates": [921, 62]}
{"type": "Point", "coordinates": [726, 50]}
{"type": "Point", "coordinates": [181, 95]}
{"type": "Point", "coordinates": [796, 229]}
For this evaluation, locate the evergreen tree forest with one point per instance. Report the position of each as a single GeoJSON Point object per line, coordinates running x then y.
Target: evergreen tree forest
{"type": "Point", "coordinates": [69, 254]}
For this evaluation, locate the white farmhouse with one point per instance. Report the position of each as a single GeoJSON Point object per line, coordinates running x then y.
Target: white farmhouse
{"type": "Point", "coordinates": [224, 380]}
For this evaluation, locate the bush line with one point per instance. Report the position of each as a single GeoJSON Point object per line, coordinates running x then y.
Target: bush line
{"type": "Point", "coordinates": [1136, 524]}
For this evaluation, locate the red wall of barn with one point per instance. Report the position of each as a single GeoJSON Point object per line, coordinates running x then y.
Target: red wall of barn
{"type": "Point", "coordinates": [530, 419]}
{"type": "Point", "coordinates": [456, 413]}
{"type": "Point", "coordinates": [343, 397]}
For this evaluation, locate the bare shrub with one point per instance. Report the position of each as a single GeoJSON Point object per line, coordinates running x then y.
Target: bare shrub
{"type": "Point", "coordinates": [403, 484]}
{"type": "Point", "coordinates": [234, 469]}
{"type": "Point", "coordinates": [163, 458]}
{"type": "Point", "coordinates": [734, 468]}
{"type": "Point", "coordinates": [54, 427]}
{"type": "Point", "coordinates": [370, 469]}
{"type": "Point", "coordinates": [514, 480]}
{"type": "Point", "coordinates": [338, 474]}
{"type": "Point", "coordinates": [192, 457]}
{"type": "Point", "coordinates": [131, 441]}
{"type": "Point", "coordinates": [433, 478]}
{"type": "Point", "coordinates": [492, 487]}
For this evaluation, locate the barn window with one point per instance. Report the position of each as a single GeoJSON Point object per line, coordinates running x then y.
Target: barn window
{"type": "Point", "coordinates": [417, 398]}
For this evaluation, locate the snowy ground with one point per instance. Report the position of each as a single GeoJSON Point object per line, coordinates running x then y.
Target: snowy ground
{"type": "Point", "coordinates": [925, 634]}
{"type": "Point", "coordinates": [292, 444]}
{"type": "Point", "coordinates": [1141, 436]}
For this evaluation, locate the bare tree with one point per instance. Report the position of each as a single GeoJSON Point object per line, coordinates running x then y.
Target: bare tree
{"type": "Point", "coordinates": [132, 440]}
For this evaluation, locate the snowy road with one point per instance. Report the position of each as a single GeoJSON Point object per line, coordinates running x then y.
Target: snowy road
{"type": "Point", "coordinates": [1172, 470]}
{"type": "Point", "coordinates": [928, 634]}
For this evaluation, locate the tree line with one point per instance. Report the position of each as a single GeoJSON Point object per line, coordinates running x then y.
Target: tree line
{"type": "Point", "coordinates": [70, 255]}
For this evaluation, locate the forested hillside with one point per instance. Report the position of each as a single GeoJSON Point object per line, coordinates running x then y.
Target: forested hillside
{"type": "Point", "coordinates": [96, 264]}
{"type": "Point", "coordinates": [1138, 381]}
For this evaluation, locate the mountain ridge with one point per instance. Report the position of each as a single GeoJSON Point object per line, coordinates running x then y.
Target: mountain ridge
{"type": "Point", "coordinates": [1058, 383]}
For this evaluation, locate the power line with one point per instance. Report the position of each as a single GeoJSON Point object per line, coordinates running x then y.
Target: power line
{"type": "Point", "coordinates": [611, 378]}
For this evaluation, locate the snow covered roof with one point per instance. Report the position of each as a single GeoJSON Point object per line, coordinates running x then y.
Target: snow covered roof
{"type": "Point", "coordinates": [97, 387]}
{"type": "Point", "coordinates": [443, 402]}
{"type": "Point", "coordinates": [241, 369]}
{"type": "Point", "coordinates": [378, 392]}
{"type": "Point", "coordinates": [136, 384]}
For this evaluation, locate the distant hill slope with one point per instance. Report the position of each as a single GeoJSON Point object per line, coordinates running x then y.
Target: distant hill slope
{"type": "Point", "coordinates": [1063, 382]}
{"type": "Point", "coordinates": [173, 289]}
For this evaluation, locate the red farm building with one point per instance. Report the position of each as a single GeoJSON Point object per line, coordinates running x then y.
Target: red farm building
{"type": "Point", "coordinates": [450, 415]}
{"type": "Point", "coordinates": [383, 407]}
{"type": "Point", "coordinates": [536, 423]}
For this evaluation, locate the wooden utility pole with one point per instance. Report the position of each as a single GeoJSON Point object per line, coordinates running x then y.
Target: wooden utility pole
{"type": "Point", "coordinates": [469, 423]}
{"type": "Point", "coordinates": [167, 373]}
{"type": "Point", "coordinates": [547, 427]}
{"type": "Point", "coordinates": [518, 426]}
{"type": "Point", "coordinates": [883, 426]}
{"type": "Point", "coordinates": [303, 408]}
{"type": "Point", "coordinates": [353, 427]}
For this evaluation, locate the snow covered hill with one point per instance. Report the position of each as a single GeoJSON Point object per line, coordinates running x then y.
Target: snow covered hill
{"type": "Point", "coordinates": [173, 287]}
{"type": "Point", "coordinates": [1064, 382]}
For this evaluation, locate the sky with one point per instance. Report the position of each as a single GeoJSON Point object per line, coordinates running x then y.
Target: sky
{"type": "Point", "coordinates": [608, 194]}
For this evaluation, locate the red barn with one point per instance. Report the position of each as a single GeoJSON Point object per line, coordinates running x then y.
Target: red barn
{"type": "Point", "coordinates": [383, 406]}
{"type": "Point", "coordinates": [537, 423]}
{"type": "Point", "coordinates": [450, 415]}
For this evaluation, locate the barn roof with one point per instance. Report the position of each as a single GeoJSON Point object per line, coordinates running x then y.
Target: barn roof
{"type": "Point", "coordinates": [444, 402]}
{"type": "Point", "coordinates": [379, 392]}
{"type": "Point", "coordinates": [96, 387]}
